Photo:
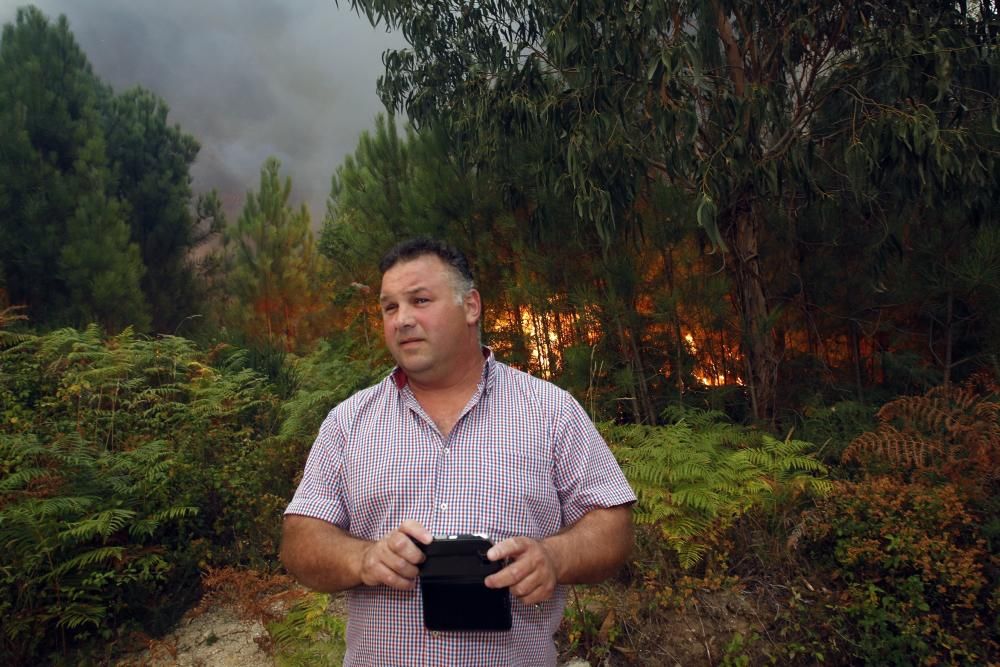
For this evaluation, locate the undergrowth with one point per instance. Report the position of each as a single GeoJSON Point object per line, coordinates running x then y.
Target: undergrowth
{"type": "Point", "coordinates": [695, 477]}
{"type": "Point", "coordinates": [302, 626]}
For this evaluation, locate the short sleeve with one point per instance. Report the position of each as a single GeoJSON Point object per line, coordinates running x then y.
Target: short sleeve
{"type": "Point", "coordinates": [587, 476]}
{"type": "Point", "coordinates": [320, 494]}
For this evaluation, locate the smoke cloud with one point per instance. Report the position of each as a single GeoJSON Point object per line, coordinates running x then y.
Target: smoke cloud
{"type": "Point", "coordinates": [248, 78]}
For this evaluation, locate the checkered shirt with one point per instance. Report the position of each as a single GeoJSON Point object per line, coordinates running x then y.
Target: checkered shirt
{"type": "Point", "coordinates": [523, 459]}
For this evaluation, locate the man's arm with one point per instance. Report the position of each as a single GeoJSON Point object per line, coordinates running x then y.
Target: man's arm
{"type": "Point", "coordinates": [587, 552]}
{"type": "Point", "coordinates": [326, 558]}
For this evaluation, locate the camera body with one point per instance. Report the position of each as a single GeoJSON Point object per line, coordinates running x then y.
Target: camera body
{"type": "Point", "coordinates": [451, 583]}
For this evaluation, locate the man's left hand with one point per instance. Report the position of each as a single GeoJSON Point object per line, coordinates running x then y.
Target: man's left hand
{"type": "Point", "coordinates": [532, 574]}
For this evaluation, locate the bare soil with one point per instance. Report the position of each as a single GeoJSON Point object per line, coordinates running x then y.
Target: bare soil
{"type": "Point", "coordinates": [217, 637]}
{"type": "Point", "coordinates": [221, 635]}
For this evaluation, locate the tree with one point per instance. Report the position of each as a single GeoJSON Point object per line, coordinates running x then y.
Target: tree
{"type": "Point", "coordinates": [151, 161]}
{"type": "Point", "coordinates": [101, 268]}
{"type": "Point", "coordinates": [64, 242]}
{"type": "Point", "coordinates": [275, 275]}
{"type": "Point", "coordinates": [395, 187]}
{"type": "Point", "coordinates": [742, 107]}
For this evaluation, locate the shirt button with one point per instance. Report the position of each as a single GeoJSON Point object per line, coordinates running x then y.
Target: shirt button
{"type": "Point", "coordinates": [444, 506]}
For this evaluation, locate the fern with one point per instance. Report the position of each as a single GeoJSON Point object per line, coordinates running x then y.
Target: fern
{"type": "Point", "coordinates": [78, 614]}
{"type": "Point", "coordinates": [101, 524]}
{"type": "Point", "coordinates": [85, 560]}
{"type": "Point", "coordinates": [8, 316]}
{"type": "Point", "coordinates": [951, 431]}
{"type": "Point", "coordinates": [309, 634]}
{"type": "Point", "coordinates": [693, 482]}
{"type": "Point", "coordinates": [126, 462]}
{"type": "Point", "coordinates": [67, 524]}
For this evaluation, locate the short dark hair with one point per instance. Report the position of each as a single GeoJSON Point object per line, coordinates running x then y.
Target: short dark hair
{"type": "Point", "coordinates": [418, 247]}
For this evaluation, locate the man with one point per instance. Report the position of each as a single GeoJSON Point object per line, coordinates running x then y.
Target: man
{"type": "Point", "coordinates": [453, 441]}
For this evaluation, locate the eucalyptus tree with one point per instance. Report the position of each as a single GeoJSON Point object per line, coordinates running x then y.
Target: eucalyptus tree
{"type": "Point", "coordinates": [755, 111]}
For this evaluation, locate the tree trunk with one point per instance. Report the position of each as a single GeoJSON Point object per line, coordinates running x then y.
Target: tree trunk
{"type": "Point", "coordinates": [759, 346]}
{"type": "Point", "coordinates": [949, 340]}
{"type": "Point", "coordinates": [675, 319]}
{"type": "Point", "coordinates": [856, 359]}
{"type": "Point", "coordinates": [646, 403]}
{"type": "Point", "coordinates": [633, 400]}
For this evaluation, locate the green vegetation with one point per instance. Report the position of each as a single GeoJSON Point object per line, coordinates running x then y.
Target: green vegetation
{"type": "Point", "coordinates": [128, 464]}
{"type": "Point", "coordinates": [695, 478]}
{"type": "Point", "coordinates": [758, 242]}
{"type": "Point", "coordinates": [906, 576]}
{"type": "Point", "coordinates": [94, 190]}
{"type": "Point", "coordinates": [273, 279]}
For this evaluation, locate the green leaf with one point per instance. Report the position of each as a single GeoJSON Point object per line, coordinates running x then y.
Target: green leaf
{"type": "Point", "coordinates": [706, 216]}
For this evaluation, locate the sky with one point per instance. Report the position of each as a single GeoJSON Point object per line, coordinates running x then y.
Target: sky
{"type": "Point", "coordinates": [248, 78]}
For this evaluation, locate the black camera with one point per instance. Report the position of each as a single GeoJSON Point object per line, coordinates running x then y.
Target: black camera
{"type": "Point", "coordinates": [451, 582]}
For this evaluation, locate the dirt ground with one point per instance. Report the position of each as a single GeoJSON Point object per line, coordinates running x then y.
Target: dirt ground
{"type": "Point", "coordinates": [217, 637]}
{"type": "Point", "coordinates": [221, 637]}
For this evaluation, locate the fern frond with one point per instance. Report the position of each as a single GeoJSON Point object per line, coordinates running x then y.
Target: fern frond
{"type": "Point", "coordinates": [102, 524]}
{"type": "Point", "coordinates": [174, 514]}
{"type": "Point", "coordinates": [88, 559]}
{"type": "Point", "coordinates": [892, 446]}
{"type": "Point", "coordinates": [21, 478]}
{"type": "Point", "coordinates": [690, 553]}
{"type": "Point", "coordinates": [697, 498]}
{"type": "Point", "coordinates": [55, 507]}
{"type": "Point", "coordinates": [78, 614]}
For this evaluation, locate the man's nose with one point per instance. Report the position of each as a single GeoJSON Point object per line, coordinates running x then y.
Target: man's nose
{"type": "Point", "coordinates": [404, 317]}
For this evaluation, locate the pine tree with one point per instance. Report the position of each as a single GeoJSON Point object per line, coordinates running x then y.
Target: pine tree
{"type": "Point", "coordinates": [151, 161]}
{"type": "Point", "coordinates": [101, 268]}
{"type": "Point", "coordinates": [275, 272]}
{"type": "Point", "coordinates": [64, 245]}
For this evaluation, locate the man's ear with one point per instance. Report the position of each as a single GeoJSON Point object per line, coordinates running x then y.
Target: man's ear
{"type": "Point", "coordinates": [473, 306]}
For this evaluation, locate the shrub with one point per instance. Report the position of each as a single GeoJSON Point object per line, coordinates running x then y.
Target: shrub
{"type": "Point", "coordinates": [906, 583]}
{"type": "Point", "coordinates": [834, 427]}
{"type": "Point", "coordinates": [90, 539]}
{"type": "Point", "coordinates": [129, 463]}
{"type": "Point", "coordinates": [120, 459]}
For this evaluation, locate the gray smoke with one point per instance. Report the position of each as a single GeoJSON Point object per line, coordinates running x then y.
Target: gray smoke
{"type": "Point", "coordinates": [248, 78]}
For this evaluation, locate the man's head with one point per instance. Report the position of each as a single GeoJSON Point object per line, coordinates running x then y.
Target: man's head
{"type": "Point", "coordinates": [452, 257]}
{"type": "Point", "coordinates": [430, 311]}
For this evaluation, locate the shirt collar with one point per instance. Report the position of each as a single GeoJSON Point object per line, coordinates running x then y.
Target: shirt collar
{"type": "Point", "coordinates": [400, 379]}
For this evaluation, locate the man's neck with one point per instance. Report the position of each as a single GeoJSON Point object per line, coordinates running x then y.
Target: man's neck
{"type": "Point", "coordinates": [462, 381]}
{"type": "Point", "coordinates": [444, 402]}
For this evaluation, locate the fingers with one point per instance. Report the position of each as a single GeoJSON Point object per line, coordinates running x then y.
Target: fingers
{"type": "Point", "coordinates": [531, 574]}
{"type": "Point", "coordinates": [394, 559]}
{"type": "Point", "coordinates": [416, 531]}
{"type": "Point", "coordinates": [509, 548]}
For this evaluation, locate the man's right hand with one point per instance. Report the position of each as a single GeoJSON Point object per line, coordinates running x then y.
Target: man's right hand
{"type": "Point", "coordinates": [394, 559]}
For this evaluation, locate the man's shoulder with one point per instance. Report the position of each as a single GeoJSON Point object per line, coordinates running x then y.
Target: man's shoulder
{"type": "Point", "coordinates": [511, 379]}
{"type": "Point", "coordinates": [364, 398]}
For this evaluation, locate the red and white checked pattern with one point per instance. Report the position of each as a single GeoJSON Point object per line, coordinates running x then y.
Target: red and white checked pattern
{"type": "Point", "coordinates": [524, 459]}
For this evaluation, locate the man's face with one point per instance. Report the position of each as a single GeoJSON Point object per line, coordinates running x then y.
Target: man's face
{"type": "Point", "coordinates": [425, 327]}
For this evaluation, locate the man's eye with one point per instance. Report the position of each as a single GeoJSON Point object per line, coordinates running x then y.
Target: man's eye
{"type": "Point", "coordinates": [389, 308]}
